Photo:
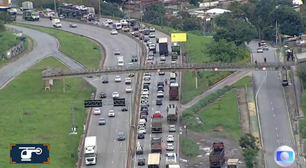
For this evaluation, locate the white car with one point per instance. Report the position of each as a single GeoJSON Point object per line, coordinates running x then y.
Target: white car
{"type": "Point", "coordinates": [146, 80]}
{"type": "Point", "coordinates": [105, 24]}
{"type": "Point", "coordinates": [160, 94]}
{"type": "Point", "coordinates": [152, 35]}
{"type": "Point", "coordinates": [170, 147]}
{"type": "Point", "coordinates": [173, 61]}
{"type": "Point", "coordinates": [161, 73]}
{"type": "Point", "coordinates": [259, 50]}
{"type": "Point", "coordinates": [145, 92]}
{"type": "Point", "coordinates": [124, 22]}
{"type": "Point", "coordinates": [117, 79]}
{"type": "Point", "coordinates": [109, 21]}
{"type": "Point", "coordinates": [111, 113]}
{"type": "Point", "coordinates": [117, 52]}
{"type": "Point", "coordinates": [128, 89]}
{"type": "Point", "coordinates": [162, 58]}
{"type": "Point", "coordinates": [114, 32]}
{"type": "Point", "coordinates": [115, 94]}
{"type": "Point", "coordinates": [170, 138]}
{"type": "Point", "coordinates": [142, 130]}
{"type": "Point", "coordinates": [97, 111]}
{"type": "Point", "coordinates": [147, 74]}
{"type": "Point", "coordinates": [150, 60]}
{"type": "Point", "coordinates": [128, 81]}
{"type": "Point", "coordinates": [158, 112]}
{"type": "Point", "coordinates": [152, 29]}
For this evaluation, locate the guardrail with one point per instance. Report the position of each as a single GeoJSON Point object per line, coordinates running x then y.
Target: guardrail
{"type": "Point", "coordinates": [14, 51]}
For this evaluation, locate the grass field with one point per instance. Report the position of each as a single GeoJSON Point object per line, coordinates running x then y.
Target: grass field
{"type": "Point", "coordinates": [7, 41]}
{"type": "Point", "coordinates": [302, 121]}
{"type": "Point", "coordinates": [87, 52]}
{"type": "Point", "coordinates": [189, 148]}
{"type": "Point", "coordinates": [244, 82]}
{"type": "Point", "coordinates": [223, 115]}
{"type": "Point", "coordinates": [32, 115]}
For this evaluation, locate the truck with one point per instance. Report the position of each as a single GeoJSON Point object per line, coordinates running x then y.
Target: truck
{"type": "Point", "coordinates": [56, 23]}
{"type": "Point", "coordinates": [90, 150]}
{"type": "Point", "coordinates": [156, 145]}
{"type": "Point", "coordinates": [157, 123]}
{"type": "Point", "coordinates": [172, 113]}
{"type": "Point", "coordinates": [173, 91]}
{"type": "Point", "coordinates": [27, 5]}
{"type": "Point", "coordinates": [30, 15]}
{"type": "Point", "coordinates": [176, 48]}
{"type": "Point", "coordinates": [163, 46]}
{"type": "Point", "coordinates": [120, 61]}
{"type": "Point", "coordinates": [216, 157]}
{"type": "Point", "coordinates": [170, 159]}
{"type": "Point", "coordinates": [13, 14]}
{"type": "Point", "coordinates": [174, 166]}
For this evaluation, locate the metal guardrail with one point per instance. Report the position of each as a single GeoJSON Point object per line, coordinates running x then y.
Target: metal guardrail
{"type": "Point", "coordinates": [14, 51]}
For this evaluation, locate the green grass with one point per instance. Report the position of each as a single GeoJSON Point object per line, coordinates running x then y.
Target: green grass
{"type": "Point", "coordinates": [189, 148]}
{"type": "Point", "coordinates": [244, 82]}
{"type": "Point", "coordinates": [79, 48]}
{"type": "Point", "coordinates": [7, 41]}
{"type": "Point", "coordinates": [302, 121]}
{"type": "Point", "coordinates": [222, 113]}
{"type": "Point", "coordinates": [46, 115]}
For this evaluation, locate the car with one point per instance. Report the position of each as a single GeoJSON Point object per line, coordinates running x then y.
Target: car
{"type": "Point", "coordinates": [170, 147]}
{"type": "Point", "coordinates": [147, 74]}
{"type": "Point", "coordinates": [172, 128]}
{"type": "Point", "coordinates": [102, 95]}
{"type": "Point", "coordinates": [145, 92]}
{"type": "Point", "coordinates": [170, 138]}
{"type": "Point", "coordinates": [117, 52]}
{"type": "Point", "coordinates": [73, 25]}
{"type": "Point", "coordinates": [259, 50]}
{"type": "Point", "coordinates": [146, 86]}
{"type": "Point", "coordinates": [160, 84]}
{"type": "Point", "coordinates": [128, 81]}
{"type": "Point", "coordinates": [102, 121]}
{"type": "Point", "coordinates": [160, 88]}
{"type": "Point", "coordinates": [152, 35]}
{"type": "Point", "coordinates": [106, 24]}
{"type": "Point", "coordinates": [111, 113]}
{"type": "Point", "coordinates": [146, 31]}
{"type": "Point", "coordinates": [105, 79]}
{"type": "Point", "coordinates": [124, 109]}
{"type": "Point", "coordinates": [161, 73]}
{"type": "Point", "coordinates": [162, 58]}
{"type": "Point", "coordinates": [126, 29]}
{"type": "Point", "coordinates": [146, 39]}
{"type": "Point", "coordinates": [97, 111]}
{"type": "Point", "coordinates": [159, 102]}
{"type": "Point", "coordinates": [173, 61]}
{"type": "Point", "coordinates": [114, 32]}
{"type": "Point", "coordinates": [115, 95]}
{"type": "Point", "coordinates": [160, 94]}
{"type": "Point", "coordinates": [151, 53]}
{"type": "Point", "coordinates": [141, 37]}
{"type": "Point", "coordinates": [146, 80]}
{"type": "Point", "coordinates": [265, 47]}
{"type": "Point", "coordinates": [109, 21]}
{"type": "Point", "coordinates": [128, 89]}
{"type": "Point", "coordinates": [141, 161]}
{"type": "Point", "coordinates": [131, 75]}
{"type": "Point", "coordinates": [117, 79]}
{"type": "Point", "coordinates": [137, 34]}
{"type": "Point", "coordinates": [121, 136]}
{"type": "Point", "coordinates": [149, 42]}
{"type": "Point", "coordinates": [140, 135]}
{"type": "Point", "coordinates": [152, 29]}
{"type": "Point", "coordinates": [134, 58]}
{"type": "Point", "coordinates": [142, 130]}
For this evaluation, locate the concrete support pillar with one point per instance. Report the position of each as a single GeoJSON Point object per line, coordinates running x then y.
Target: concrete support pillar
{"type": "Point", "coordinates": [196, 79]}
{"type": "Point", "coordinates": [47, 85]}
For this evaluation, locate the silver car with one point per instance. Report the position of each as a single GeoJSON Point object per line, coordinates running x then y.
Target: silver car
{"type": "Point", "coordinates": [117, 52]}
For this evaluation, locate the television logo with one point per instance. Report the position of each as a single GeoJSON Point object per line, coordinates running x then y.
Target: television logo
{"type": "Point", "coordinates": [29, 153]}
{"type": "Point", "coordinates": [284, 156]}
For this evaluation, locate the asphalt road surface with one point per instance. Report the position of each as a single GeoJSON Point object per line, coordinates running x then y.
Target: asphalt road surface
{"type": "Point", "coordinates": [273, 110]}
{"type": "Point", "coordinates": [155, 78]}
{"type": "Point", "coordinates": [110, 152]}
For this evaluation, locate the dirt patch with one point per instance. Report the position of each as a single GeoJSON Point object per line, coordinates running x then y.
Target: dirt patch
{"type": "Point", "coordinates": [243, 110]}
{"type": "Point", "coordinates": [205, 141]}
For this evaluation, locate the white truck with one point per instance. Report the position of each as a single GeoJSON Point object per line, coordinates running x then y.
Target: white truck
{"type": "Point", "coordinates": [174, 166]}
{"type": "Point", "coordinates": [56, 23]}
{"type": "Point", "coordinates": [120, 61]}
{"type": "Point", "coordinates": [171, 159]}
{"type": "Point", "coordinates": [90, 150]}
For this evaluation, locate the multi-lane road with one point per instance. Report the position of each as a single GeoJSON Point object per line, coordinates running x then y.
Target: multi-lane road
{"type": "Point", "coordinates": [272, 106]}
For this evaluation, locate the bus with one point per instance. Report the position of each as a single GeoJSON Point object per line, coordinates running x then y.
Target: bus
{"type": "Point", "coordinates": [154, 160]}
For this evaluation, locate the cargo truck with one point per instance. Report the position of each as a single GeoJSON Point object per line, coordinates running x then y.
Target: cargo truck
{"type": "Point", "coordinates": [157, 125]}
{"type": "Point", "coordinates": [172, 113]}
{"type": "Point", "coordinates": [30, 15]}
{"type": "Point", "coordinates": [163, 46]}
{"type": "Point", "coordinates": [176, 48]}
{"type": "Point", "coordinates": [156, 145]}
{"type": "Point", "coordinates": [27, 5]}
{"type": "Point", "coordinates": [216, 157]}
{"type": "Point", "coordinates": [13, 14]}
{"type": "Point", "coordinates": [90, 150]}
{"type": "Point", "coordinates": [174, 91]}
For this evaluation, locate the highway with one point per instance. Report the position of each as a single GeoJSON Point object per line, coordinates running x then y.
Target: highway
{"type": "Point", "coordinates": [273, 110]}
{"type": "Point", "coordinates": [155, 78]}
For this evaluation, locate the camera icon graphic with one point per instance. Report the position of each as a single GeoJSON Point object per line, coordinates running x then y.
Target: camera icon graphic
{"type": "Point", "coordinates": [284, 156]}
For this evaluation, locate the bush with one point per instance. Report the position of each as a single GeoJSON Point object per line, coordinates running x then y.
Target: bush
{"type": "Point", "coordinates": [189, 148]}
{"type": "Point", "coordinates": [188, 116]}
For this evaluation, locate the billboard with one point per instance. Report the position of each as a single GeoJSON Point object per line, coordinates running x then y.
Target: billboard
{"type": "Point", "coordinates": [178, 37]}
{"type": "Point", "coordinates": [5, 3]}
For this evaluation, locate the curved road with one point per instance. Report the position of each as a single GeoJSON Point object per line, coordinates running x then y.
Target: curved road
{"type": "Point", "coordinates": [272, 105]}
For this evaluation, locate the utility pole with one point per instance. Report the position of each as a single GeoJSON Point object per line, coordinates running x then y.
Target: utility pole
{"type": "Point", "coordinates": [100, 11]}
{"type": "Point", "coordinates": [54, 8]}
{"type": "Point", "coordinates": [72, 118]}
{"type": "Point", "coordinates": [276, 32]}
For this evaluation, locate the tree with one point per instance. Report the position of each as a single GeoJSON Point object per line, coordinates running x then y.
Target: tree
{"type": "Point", "coordinates": [248, 141]}
{"type": "Point", "coordinates": [111, 9]}
{"type": "Point", "coordinates": [2, 27]}
{"type": "Point", "coordinates": [155, 14]}
{"type": "Point", "coordinates": [5, 17]}
{"type": "Point", "coordinates": [236, 8]}
{"type": "Point", "coordinates": [250, 149]}
{"type": "Point", "coordinates": [250, 157]}
{"type": "Point", "coordinates": [223, 51]}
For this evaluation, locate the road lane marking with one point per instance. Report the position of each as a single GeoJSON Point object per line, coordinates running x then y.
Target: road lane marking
{"type": "Point", "coordinates": [112, 162]}
{"type": "Point", "coordinates": [271, 102]}
{"type": "Point", "coordinates": [273, 115]}
{"type": "Point", "coordinates": [276, 128]}
{"type": "Point", "coordinates": [272, 108]}
{"type": "Point", "coordinates": [276, 135]}
{"type": "Point", "coordinates": [113, 151]}
{"type": "Point", "coordinates": [274, 122]}
{"type": "Point", "coordinates": [116, 130]}
{"type": "Point", "coordinates": [115, 140]}
{"type": "Point", "coordinates": [121, 144]}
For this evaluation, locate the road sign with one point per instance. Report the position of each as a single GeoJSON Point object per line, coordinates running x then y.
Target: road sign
{"type": "Point", "coordinates": [178, 37]}
{"type": "Point", "coordinates": [92, 103]}
{"type": "Point", "coordinates": [119, 102]}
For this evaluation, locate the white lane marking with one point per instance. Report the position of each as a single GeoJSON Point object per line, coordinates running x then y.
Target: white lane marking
{"type": "Point", "coordinates": [271, 102]}
{"type": "Point", "coordinates": [117, 122]}
{"type": "Point", "coordinates": [116, 130]}
{"type": "Point", "coordinates": [112, 162]}
{"type": "Point", "coordinates": [273, 115]}
{"type": "Point", "coordinates": [113, 151]}
{"type": "Point", "coordinates": [272, 108]}
{"type": "Point", "coordinates": [274, 122]}
{"type": "Point", "coordinates": [115, 140]}
{"type": "Point", "coordinates": [121, 144]}
{"type": "Point", "coordinates": [276, 128]}
{"type": "Point", "coordinates": [152, 108]}
{"type": "Point", "coordinates": [276, 135]}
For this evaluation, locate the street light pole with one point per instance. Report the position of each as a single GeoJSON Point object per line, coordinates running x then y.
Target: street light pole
{"type": "Point", "coordinates": [99, 10]}
{"type": "Point", "coordinates": [54, 8]}
{"type": "Point", "coordinates": [72, 118]}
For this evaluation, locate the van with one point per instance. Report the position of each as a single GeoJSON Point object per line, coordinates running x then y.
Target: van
{"type": "Point", "coordinates": [139, 149]}
{"type": "Point", "coordinates": [118, 26]}
{"type": "Point", "coordinates": [56, 23]}
{"type": "Point", "coordinates": [144, 97]}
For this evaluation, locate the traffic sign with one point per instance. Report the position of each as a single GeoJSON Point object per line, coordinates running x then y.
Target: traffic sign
{"type": "Point", "coordinates": [119, 102]}
{"type": "Point", "coordinates": [92, 103]}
